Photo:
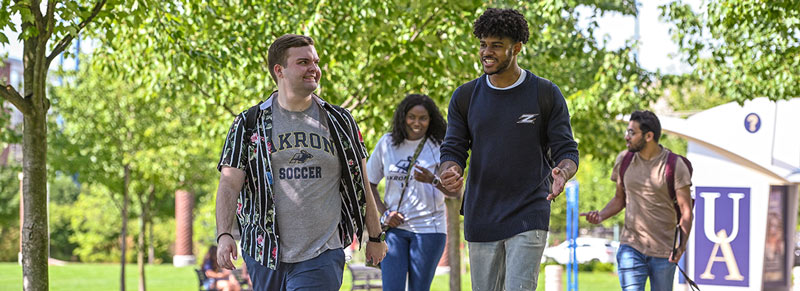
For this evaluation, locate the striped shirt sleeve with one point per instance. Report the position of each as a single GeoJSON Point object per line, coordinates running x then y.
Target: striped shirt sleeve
{"type": "Point", "coordinates": [360, 148]}
{"type": "Point", "coordinates": [234, 150]}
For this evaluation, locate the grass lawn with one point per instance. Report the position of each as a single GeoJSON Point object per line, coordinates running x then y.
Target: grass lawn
{"type": "Point", "coordinates": [167, 277]}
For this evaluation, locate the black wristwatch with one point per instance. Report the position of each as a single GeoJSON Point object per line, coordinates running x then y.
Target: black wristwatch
{"type": "Point", "coordinates": [381, 237]}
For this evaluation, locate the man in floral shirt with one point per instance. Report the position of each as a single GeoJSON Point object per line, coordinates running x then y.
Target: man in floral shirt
{"type": "Point", "coordinates": [296, 164]}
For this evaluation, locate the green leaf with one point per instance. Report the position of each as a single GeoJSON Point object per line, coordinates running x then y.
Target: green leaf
{"type": "Point", "coordinates": [28, 32]}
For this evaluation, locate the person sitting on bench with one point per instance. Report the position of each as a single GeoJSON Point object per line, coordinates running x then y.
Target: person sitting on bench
{"type": "Point", "coordinates": [216, 277]}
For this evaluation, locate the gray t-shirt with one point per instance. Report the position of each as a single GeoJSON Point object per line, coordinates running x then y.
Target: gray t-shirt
{"type": "Point", "coordinates": [306, 189]}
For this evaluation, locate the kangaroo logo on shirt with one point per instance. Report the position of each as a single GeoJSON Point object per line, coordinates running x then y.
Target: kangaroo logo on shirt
{"type": "Point", "coordinates": [527, 118]}
{"type": "Point", "coordinates": [301, 157]}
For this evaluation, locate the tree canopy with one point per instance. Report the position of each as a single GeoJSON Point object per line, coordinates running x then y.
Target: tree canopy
{"type": "Point", "coordinates": [373, 54]}
{"type": "Point", "coordinates": [741, 49]}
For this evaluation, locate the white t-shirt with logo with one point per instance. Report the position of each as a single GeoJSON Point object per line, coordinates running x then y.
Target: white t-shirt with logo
{"type": "Point", "coordinates": [423, 204]}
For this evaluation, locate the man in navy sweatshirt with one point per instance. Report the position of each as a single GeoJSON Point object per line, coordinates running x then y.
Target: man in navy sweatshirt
{"type": "Point", "coordinates": [507, 202]}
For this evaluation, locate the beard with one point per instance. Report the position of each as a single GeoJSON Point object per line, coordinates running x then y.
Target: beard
{"type": "Point", "coordinates": [635, 147]}
{"type": "Point", "coordinates": [502, 66]}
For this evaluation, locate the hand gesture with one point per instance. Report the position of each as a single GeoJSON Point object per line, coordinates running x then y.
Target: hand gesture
{"type": "Point", "coordinates": [225, 251]}
{"type": "Point", "coordinates": [375, 252]}
{"type": "Point", "coordinates": [452, 180]}
{"type": "Point", "coordinates": [559, 180]}
{"type": "Point", "coordinates": [395, 219]}
{"type": "Point", "coordinates": [423, 175]}
{"type": "Point", "coordinates": [592, 216]}
{"type": "Point", "coordinates": [675, 255]}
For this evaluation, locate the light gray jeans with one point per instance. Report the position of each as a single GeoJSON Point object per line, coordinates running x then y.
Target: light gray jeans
{"type": "Point", "coordinates": [510, 264]}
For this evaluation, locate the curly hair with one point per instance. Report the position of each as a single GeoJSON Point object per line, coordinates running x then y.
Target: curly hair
{"type": "Point", "coordinates": [501, 23]}
{"type": "Point", "coordinates": [436, 128]}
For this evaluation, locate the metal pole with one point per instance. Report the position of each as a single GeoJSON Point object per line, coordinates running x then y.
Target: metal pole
{"type": "Point", "coordinates": [636, 35]}
{"type": "Point", "coordinates": [572, 232]}
{"type": "Point", "coordinates": [570, 239]}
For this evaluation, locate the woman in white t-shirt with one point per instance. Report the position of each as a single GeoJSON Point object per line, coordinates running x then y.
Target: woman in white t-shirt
{"type": "Point", "coordinates": [414, 213]}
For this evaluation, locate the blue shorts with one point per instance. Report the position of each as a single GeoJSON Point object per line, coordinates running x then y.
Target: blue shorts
{"type": "Point", "coordinates": [321, 273]}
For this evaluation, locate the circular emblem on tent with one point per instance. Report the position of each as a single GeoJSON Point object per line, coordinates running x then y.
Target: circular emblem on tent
{"type": "Point", "coordinates": [752, 122]}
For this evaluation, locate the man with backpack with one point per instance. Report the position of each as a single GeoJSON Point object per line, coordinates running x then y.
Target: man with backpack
{"type": "Point", "coordinates": [515, 123]}
{"type": "Point", "coordinates": [297, 165]}
{"type": "Point", "coordinates": [653, 185]}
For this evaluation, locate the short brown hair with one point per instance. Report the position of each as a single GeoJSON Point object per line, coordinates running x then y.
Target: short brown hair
{"type": "Point", "coordinates": [277, 50]}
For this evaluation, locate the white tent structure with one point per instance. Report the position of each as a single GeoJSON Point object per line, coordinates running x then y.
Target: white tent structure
{"type": "Point", "coordinates": [746, 163]}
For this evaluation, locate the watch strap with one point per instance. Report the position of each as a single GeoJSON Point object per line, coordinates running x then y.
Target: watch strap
{"type": "Point", "coordinates": [380, 238]}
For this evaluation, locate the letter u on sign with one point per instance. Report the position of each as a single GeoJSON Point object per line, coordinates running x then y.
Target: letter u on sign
{"type": "Point", "coordinates": [722, 249]}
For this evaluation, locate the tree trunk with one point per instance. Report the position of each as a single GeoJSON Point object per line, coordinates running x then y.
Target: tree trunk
{"type": "Point", "coordinates": [33, 104]}
{"type": "Point", "coordinates": [35, 235]}
{"type": "Point", "coordinates": [151, 252]}
{"type": "Point", "coordinates": [141, 248]}
{"type": "Point", "coordinates": [140, 253]}
{"type": "Point", "coordinates": [454, 242]}
{"type": "Point", "coordinates": [35, 240]}
{"type": "Point", "coordinates": [124, 233]}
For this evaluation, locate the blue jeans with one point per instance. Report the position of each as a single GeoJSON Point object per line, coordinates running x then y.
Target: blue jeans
{"type": "Point", "coordinates": [510, 264]}
{"type": "Point", "coordinates": [634, 268]}
{"type": "Point", "coordinates": [321, 273]}
{"type": "Point", "coordinates": [413, 254]}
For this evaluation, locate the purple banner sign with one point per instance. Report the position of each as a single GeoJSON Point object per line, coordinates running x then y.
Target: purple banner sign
{"type": "Point", "coordinates": [722, 236]}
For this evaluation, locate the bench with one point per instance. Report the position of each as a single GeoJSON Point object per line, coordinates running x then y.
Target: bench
{"type": "Point", "coordinates": [201, 276]}
{"type": "Point", "coordinates": [364, 277]}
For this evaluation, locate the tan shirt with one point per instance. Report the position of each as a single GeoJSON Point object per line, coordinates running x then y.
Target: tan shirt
{"type": "Point", "coordinates": [650, 217]}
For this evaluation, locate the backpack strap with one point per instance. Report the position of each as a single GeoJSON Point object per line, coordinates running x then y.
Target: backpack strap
{"type": "Point", "coordinates": [672, 159]}
{"type": "Point", "coordinates": [463, 105]}
{"type": "Point", "coordinates": [623, 166]}
{"type": "Point", "coordinates": [463, 108]}
{"type": "Point", "coordinates": [545, 95]}
{"type": "Point", "coordinates": [250, 117]}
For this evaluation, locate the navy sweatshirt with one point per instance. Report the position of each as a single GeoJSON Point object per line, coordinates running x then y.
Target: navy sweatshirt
{"type": "Point", "coordinates": [507, 183]}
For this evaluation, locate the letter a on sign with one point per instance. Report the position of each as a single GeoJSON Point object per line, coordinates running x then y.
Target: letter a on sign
{"type": "Point", "coordinates": [727, 257]}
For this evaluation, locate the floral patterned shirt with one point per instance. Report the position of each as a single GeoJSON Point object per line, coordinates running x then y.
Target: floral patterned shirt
{"type": "Point", "coordinates": [250, 151]}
